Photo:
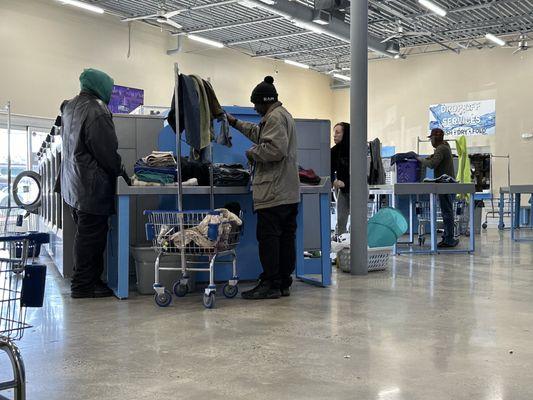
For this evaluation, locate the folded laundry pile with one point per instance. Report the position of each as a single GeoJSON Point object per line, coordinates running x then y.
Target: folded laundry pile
{"type": "Point", "coordinates": [160, 159]}
{"type": "Point", "coordinates": [159, 168]}
{"type": "Point", "coordinates": [441, 179]}
{"type": "Point", "coordinates": [230, 175]}
{"type": "Point", "coordinates": [198, 236]}
{"type": "Point", "coordinates": [308, 176]}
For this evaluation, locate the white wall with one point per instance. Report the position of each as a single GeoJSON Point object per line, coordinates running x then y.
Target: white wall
{"type": "Point", "coordinates": [400, 93]}
{"type": "Point", "coordinates": [44, 46]}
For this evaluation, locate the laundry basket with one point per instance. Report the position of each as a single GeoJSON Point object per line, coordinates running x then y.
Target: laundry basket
{"type": "Point", "coordinates": [378, 259]}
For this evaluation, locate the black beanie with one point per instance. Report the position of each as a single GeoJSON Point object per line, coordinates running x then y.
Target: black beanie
{"type": "Point", "coordinates": [265, 92]}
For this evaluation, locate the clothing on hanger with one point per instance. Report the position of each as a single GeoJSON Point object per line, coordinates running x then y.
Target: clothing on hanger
{"type": "Point", "coordinates": [376, 172]}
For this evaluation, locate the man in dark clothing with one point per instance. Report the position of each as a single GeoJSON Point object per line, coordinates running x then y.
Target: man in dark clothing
{"type": "Point", "coordinates": [276, 190]}
{"type": "Point", "coordinates": [89, 168]}
{"type": "Point", "coordinates": [442, 163]}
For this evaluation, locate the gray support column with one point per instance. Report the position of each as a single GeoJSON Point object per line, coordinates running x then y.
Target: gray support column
{"type": "Point", "coordinates": [358, 140]}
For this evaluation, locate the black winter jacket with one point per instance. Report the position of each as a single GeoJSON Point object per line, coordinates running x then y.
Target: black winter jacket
{"type": "Point", "coordinates": [90, 162]}
{"type": "Point", "coordinates": [340, 166]}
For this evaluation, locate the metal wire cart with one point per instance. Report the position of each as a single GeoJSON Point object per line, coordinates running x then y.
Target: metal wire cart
{"type": "Point", "coordinates": [200, 237]}
{"type": "Point", "coordinates": [423, 213]}
{"type": "Point", "coordinates": [21, 286]}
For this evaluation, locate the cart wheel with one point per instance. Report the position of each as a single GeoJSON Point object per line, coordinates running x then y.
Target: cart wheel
{"type": "Point", "coordinates": [484, 226]}
{"type": "Point", "coordinates": [179, 289]}
{"type": "Point", "coordinates": [501, 227]}
{"type": "Point", "coordinates": [163, 300]}
{"type": "Point", "coordinates": [209, 300]}
{"type": "Point", "coordinates": [230, 291]}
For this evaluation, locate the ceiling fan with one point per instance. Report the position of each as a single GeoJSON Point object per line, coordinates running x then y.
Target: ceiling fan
{"type": "Point", "coordinates": [522, 43]}
{"type": "Point", "coordinates": [400, 33]}
{"type": "Point", "coordinates": [337, 68]}
{"type": "Point", "coordinates": [162, 16]}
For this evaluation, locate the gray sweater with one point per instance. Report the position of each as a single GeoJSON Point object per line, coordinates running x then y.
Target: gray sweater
{"type": "Point", "coordinates": [441, 161]}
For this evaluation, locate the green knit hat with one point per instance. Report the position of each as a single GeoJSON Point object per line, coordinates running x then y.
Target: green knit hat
{"type": "Point", "coordinates": [98, 83]}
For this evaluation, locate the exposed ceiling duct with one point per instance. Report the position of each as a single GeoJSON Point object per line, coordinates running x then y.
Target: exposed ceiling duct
{"type": "Point", "coordinates": [303, 15]}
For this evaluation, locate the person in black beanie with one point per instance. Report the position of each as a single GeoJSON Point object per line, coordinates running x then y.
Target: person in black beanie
{"type": "Point", "coordinates": [276, 189]}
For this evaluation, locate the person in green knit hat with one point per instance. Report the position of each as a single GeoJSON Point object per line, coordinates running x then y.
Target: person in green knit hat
{"type": "Point", "coordinates": [89, 169]}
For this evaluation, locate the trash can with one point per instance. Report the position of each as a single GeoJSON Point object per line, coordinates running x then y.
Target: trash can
{"type": "Point", "coordinates": [144, 257]}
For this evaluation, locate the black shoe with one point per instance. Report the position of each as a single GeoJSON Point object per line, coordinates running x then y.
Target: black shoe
{"type": "Point", "coordinates": [445, 245]}
{"type": "Point", "coordinates": [100, 290]}
{"type": "Point", "coordinates": [81, 295]}
{"type": "Point", "coordinates": [285, 292]}
{"type": "Point", "coordinates": [262, 291]}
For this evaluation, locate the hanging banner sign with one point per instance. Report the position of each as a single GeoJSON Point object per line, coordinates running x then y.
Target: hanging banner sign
{"type": "Point", "coordinates": [471, 118]}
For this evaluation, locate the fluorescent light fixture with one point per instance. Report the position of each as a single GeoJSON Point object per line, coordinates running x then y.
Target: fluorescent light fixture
{"type": "Point", "coordinates": [495, 39]}
{"type": "Point", "coordinates": [297, 64]}
{"type": "Point", "coordinates": [203, 40]}
{"type": "Point", "coordinates": [322, 17]}
{"type": "Point", "coordinates": [342, 77]}
{"type": "Point", "coordinates": [247, 4]}
{"type": "Point", "coordinates": [308, 26]}
{"type": "Point", "coordinates": [85, 6]}
{"type": "Point", "coordinates": [269, 2]}
{"type": "Point", "coordinates": [433, 7]}
{"type": "Point", "coordinates": [320, 21]}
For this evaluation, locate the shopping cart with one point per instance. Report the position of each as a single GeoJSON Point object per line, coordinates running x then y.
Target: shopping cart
{"type": "Point", "coordinates": [21, 286]}
{"type": "Point", "coordinates": [199, 237]}
{"type": "Point", "coordinates": [423, 213]}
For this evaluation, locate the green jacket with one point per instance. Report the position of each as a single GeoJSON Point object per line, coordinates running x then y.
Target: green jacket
{"type": "Point", "coordinates": [275, 179]}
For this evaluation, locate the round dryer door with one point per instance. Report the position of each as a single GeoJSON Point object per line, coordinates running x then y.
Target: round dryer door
{"type": "Point", "coordinates": [27, 190]}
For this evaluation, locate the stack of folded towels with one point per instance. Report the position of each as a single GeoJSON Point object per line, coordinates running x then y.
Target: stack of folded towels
{"type": "Point", "coordinates": [159, 167]}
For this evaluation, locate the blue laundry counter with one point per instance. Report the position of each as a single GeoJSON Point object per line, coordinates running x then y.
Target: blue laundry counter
{"type": "Point", "coordinates": [516, 192]}
{"type": "Point", "coordinates": [413, 190]}
{"type": "Point", "coordinates": [315, 271]}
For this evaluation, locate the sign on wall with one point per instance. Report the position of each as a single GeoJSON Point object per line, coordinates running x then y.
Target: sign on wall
{"type": "Point", "coordinates": [124, 99]}
{"type": "Point", "coordinates": [471, 118]}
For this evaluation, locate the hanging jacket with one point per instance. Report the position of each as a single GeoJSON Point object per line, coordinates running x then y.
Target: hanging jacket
{"type": "Point", "coordinates": [275, 180]}
{"type": "Point", "coordinates": [224, 136]}
{"type": "Point", "coordinates": [188, 111]}
{"type": "Point", "coordinates": [376, 175]}
{"type": "Point", "coordinates": [90, 163]}
{"type": "Point", "coordinates": [205, 112]}
{"type": "Point", "coordinates": [464, 173]}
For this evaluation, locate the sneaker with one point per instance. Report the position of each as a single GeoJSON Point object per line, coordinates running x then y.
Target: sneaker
{"type": "Point", "coordinates": [445, 245]}
{"type": "Point", "coordinates": [262, 291]}
{"type": "Point", "coordinates": [285, 292]}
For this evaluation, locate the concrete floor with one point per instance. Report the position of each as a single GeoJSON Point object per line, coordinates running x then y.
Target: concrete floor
{"type": "Point", "coordinates": [446, 327]}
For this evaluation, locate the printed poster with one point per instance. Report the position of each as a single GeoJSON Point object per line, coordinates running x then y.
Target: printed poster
{"type": "Point", "coordinates": [124, 99]}
{"type": "Point", "coordinates": [471, 118]}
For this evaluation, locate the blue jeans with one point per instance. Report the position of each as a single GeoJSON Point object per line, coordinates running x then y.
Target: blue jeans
{"type": "Point", "coordinates": [446, 208]}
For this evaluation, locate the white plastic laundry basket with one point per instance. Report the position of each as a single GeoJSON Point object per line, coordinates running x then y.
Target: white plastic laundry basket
{"type": "Point", "coordinates": [378, 259]}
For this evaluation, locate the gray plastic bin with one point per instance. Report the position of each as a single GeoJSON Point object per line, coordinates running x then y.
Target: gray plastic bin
{"type": "Point", "coordinates": [144, 257]}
